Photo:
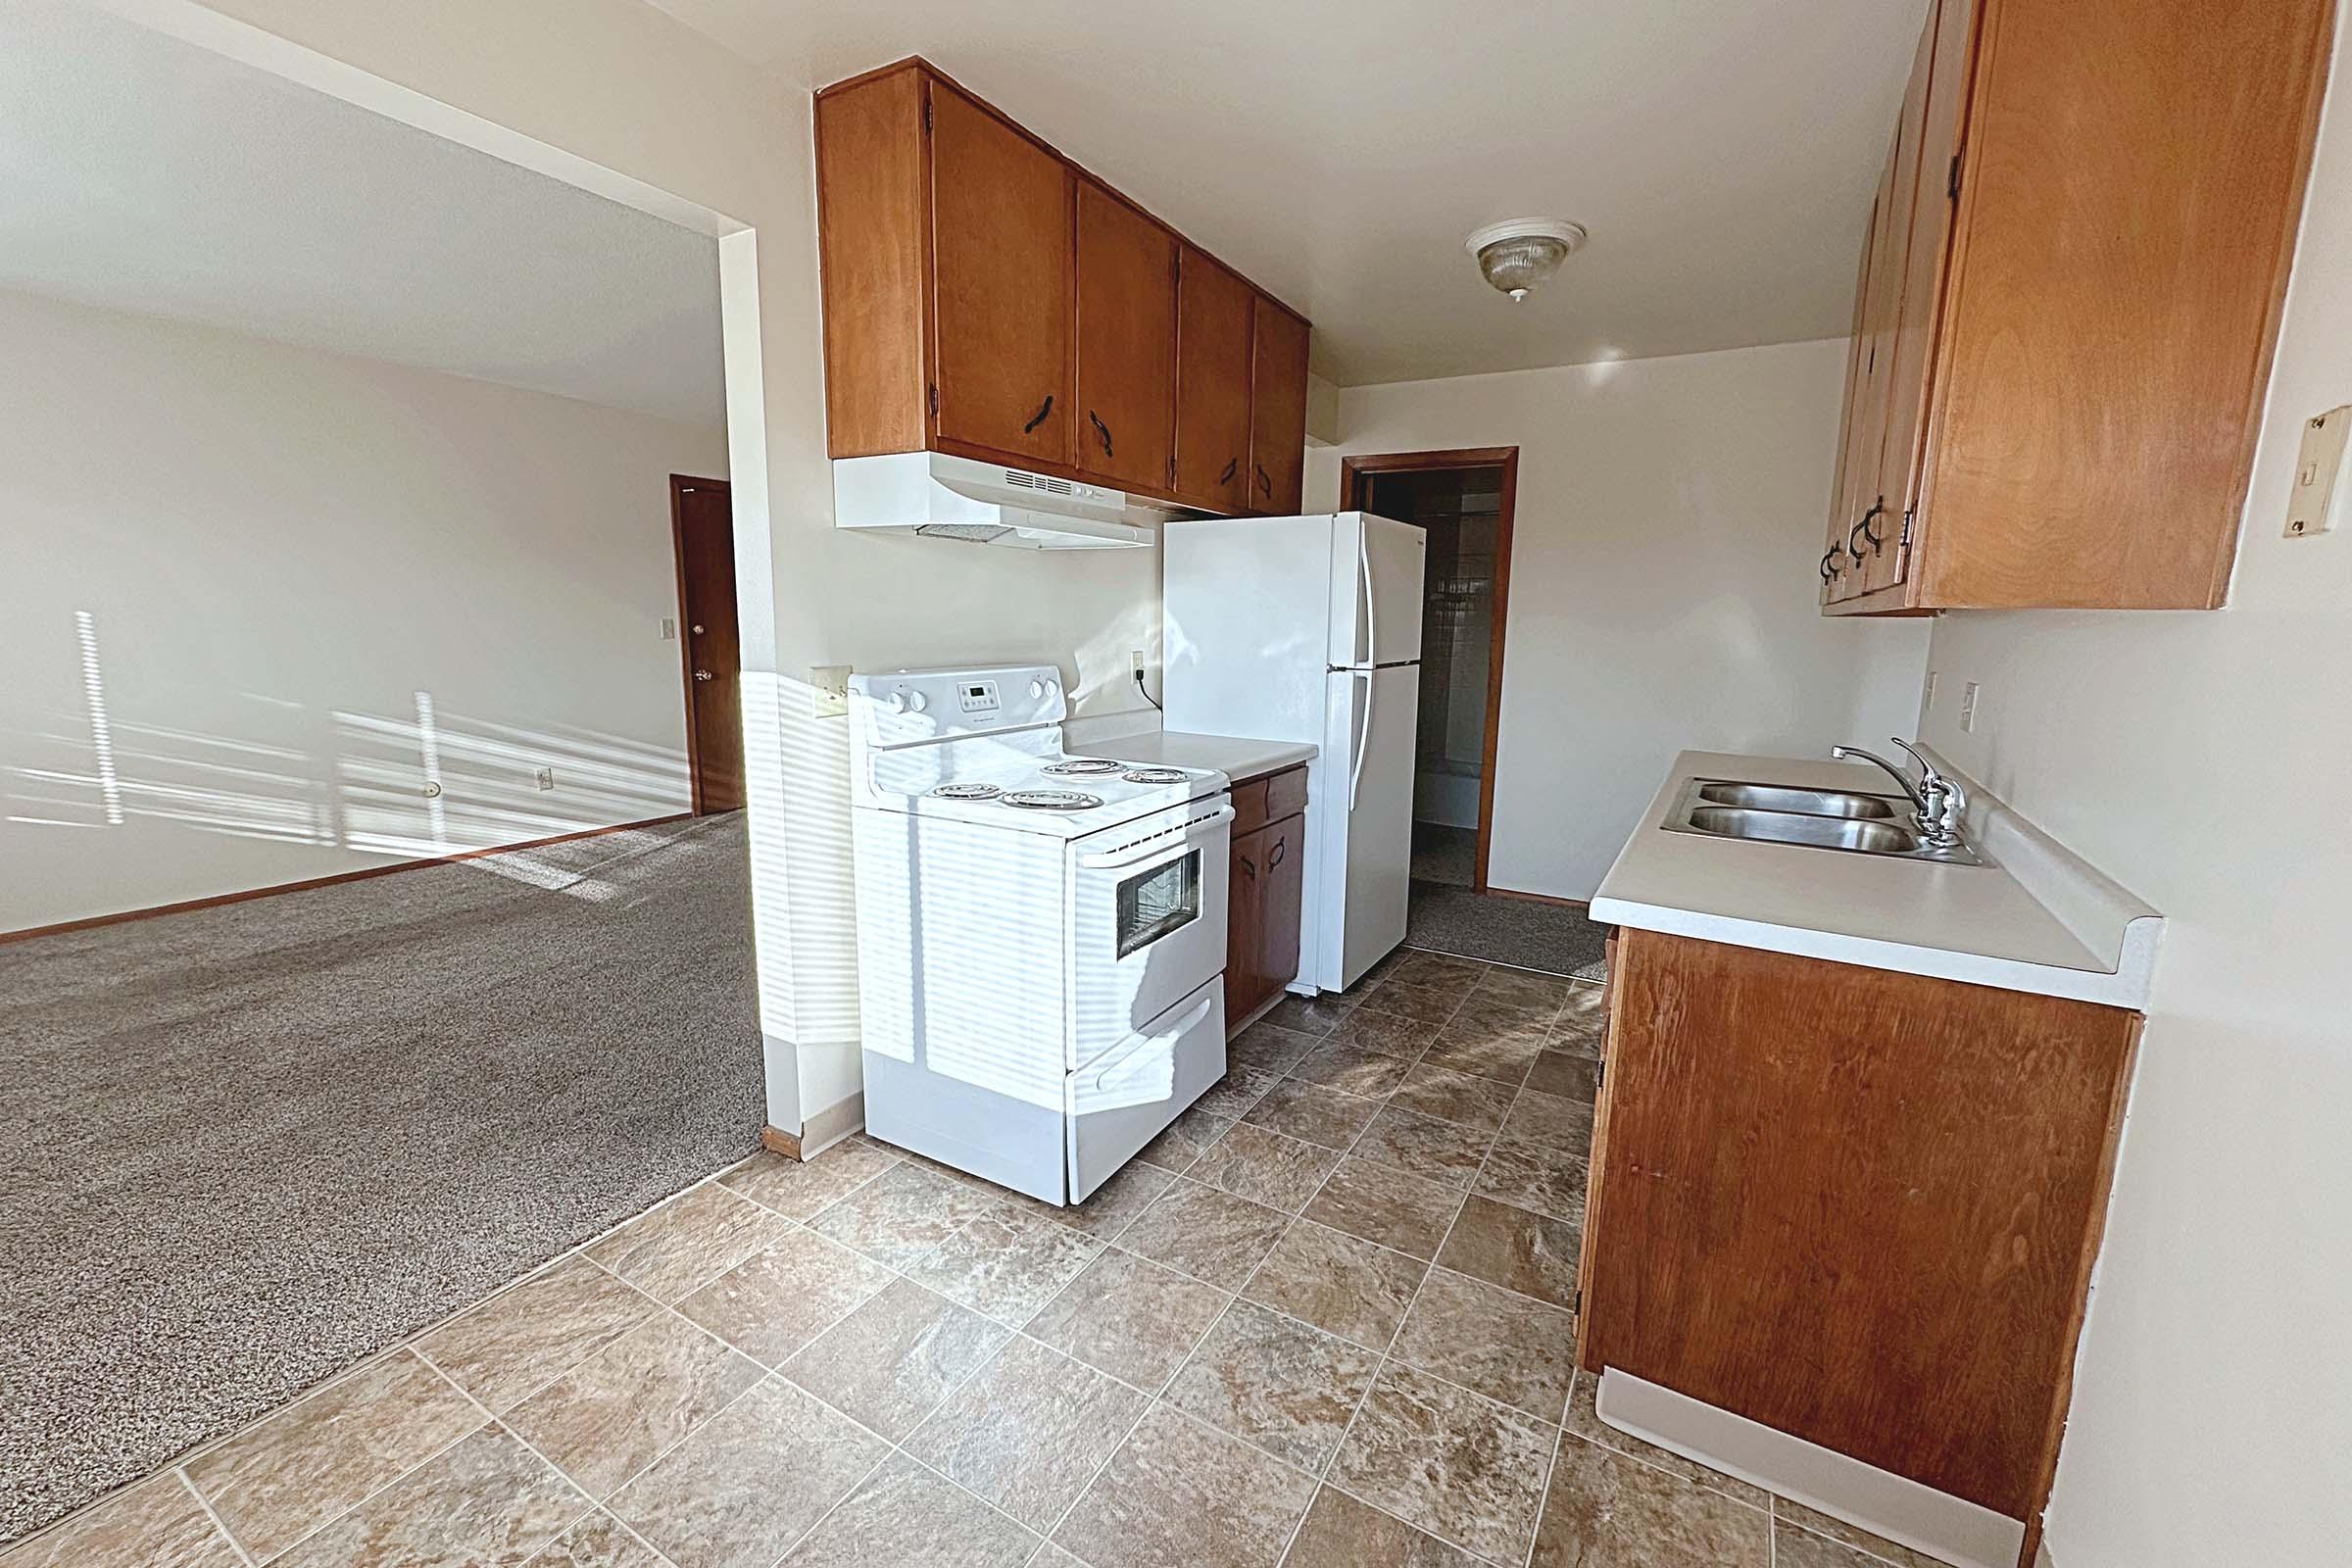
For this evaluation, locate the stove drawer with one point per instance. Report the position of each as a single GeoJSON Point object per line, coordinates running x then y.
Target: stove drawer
{"type": "Point", "coordinates": [1124, 1098]}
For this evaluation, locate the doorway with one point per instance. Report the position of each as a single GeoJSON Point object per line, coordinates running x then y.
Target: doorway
{"type": "Point", "coordinates": [1463, 501]}
{"type": "Point", "coordinates": [703, 530]}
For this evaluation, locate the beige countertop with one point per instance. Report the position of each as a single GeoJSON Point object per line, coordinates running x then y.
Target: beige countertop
{"type": "Point", "coordinates": [1231, 755]}
{"type": "Point", "coordinates": [2033, 919]}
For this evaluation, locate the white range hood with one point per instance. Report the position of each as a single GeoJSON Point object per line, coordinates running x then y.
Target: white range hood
{"type": "Point", "coordinates": [942, 497]}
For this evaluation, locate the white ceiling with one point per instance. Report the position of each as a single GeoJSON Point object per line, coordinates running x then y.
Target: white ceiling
{"type": "Point", "coordinates": [141, 173]}
{"type": "Point", "coordinates": [1721, 152]}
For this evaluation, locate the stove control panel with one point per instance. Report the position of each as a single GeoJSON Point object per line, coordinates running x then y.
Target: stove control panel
{"type": "Point", "coordinates": [979, 697]}
{"type": "Point", "coordinates": [903, 707]}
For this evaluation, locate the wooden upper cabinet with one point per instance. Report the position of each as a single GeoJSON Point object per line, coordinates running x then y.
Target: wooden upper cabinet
{"type": "Point", "coordinates": [2094, 265]}
{"type": "Point", "coordinates": [1277, 409]}
{"type": "Point", "coordinates": [1002, 262]}
{"type": "Point", "coordinates": [1215, 320]}
{"type": "Point", "coordinates": [1126, 407]}
{"type": "Point", "coordinates": [985, 297]}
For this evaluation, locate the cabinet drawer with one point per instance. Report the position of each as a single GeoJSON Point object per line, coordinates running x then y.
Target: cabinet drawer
{"type": "Point", "coordinates": [1269, 799]}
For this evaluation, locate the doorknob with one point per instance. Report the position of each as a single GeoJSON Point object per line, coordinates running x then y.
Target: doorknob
{"type": "Point", "coordinates": [702, 674]}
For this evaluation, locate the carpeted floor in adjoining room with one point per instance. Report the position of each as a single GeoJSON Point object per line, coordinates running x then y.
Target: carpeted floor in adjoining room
{"type": "Point", "coordinates": [246, 1146]}
{"type": "Point", "coordinates": [1523, 933]}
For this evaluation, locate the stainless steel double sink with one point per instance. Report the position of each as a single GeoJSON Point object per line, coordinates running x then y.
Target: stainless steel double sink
{"type": "Point", "coordinates": [1820, 819]}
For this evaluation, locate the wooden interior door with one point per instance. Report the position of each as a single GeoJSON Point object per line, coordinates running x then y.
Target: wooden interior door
{"type": "Point", "coordinates": [1001, 284]}
{"type": "Point", "coordinates": [1277, 409]}
{"type": "Point", "coordinates": [1214, 308]}
{"type": "Point", "coordinates": [1126, 343]}
{"type": "Point", "coordinates": [702, 531]}
{"type": "Point", "coordinates": [1280, 903]}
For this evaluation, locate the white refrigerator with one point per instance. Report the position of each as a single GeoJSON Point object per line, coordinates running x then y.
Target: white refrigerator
{"type": "Point", "coordinates": [1309, 629]}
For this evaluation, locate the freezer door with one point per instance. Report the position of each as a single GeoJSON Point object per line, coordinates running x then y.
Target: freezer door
{"type": "Point", "coordinates": [1243, 632]}
{"type": "Point", "coordinates": [1376, 570]}
{"type": "Point", "coordinates": [1363, 870]}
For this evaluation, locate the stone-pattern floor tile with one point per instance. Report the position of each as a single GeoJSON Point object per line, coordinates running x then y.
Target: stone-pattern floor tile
{"type": "Point", "coordinates": [1441, 1152]}
{"type": "Point", "coordinates": [274, 1482]}
{"type": "Point", "coordinates": [1264, 1168]}
{"type": "Point", "coordinates": [889, 1364]}
{"type": "Point", "coordinates": [520, 1339]}
{"type": "Point", "coordinates": [1005, 1264]}
{"type": "Point", "coordinates": [779, 1300]}
{"type": "Point", "coordinates": [1380, 1204]}
{"type": "Point", "coordinates": [1553, 1120]}
{"type": "Point", "coordinates": [1437, 970]}
{"type": "Point", "coordinates": [1606, 1510]}
{"type": "Point", "coordinates": [1179, 1495]}
{"type": "Point", "coordinates": [1343, 1533]}
{"type": "Point", "coordinates": [1208, 1234]}
{"type": "Point", "coordinates": [904, 1516]}
{"type": "Point", "coordinates": [1584, 1421]}
{"type": "Point", "coordinates": [598, 1541]}
{"type": "Point", "coordinates": [1525, 989]}
{"type": "Point", "coordinates": [156, 1524]}
{"type": "Point", "coordinates": [746, 1486]}
{"type": "Point", "coordinates": [1509, 1347]}
{"type": "Point", "coordinates": [898, 1218]}
{"type": "Point", "coordinates": [1792, 1548]}
{"type": "Point", "coordinates": [1353, 1070]}
{"type": "Point", "coordinates": [1459, 1466]}
{"type": "Point", "coordinates": [1269, 1047]}
{"type": "Point", "coordinates": [1484, 1054]}
{"type": "Point", "coordinates": [1462, 1098]}
{"type": "Point", "coordinates": [1276, 1383]}
{"type": "Point", "coordinates": [688, 1241]}
{"type": "Point", "coordinates": [1029, 1431]}
{"type": "Point", "coordinates": [1517, 1249]}
{"type": "Point", "coordinates": [1312, 1015]}
{"type": "Point", "coordinates": [1529, 1174]}
{"type": "Point", "coordinates": [615, 1413]}
{"type": "Point", "coordinates": [1566, 1074]}
{"type": "Point", "coordinates": [1050, 1555]}
{"type": "Point", "coordinates": [1185, 1140]}
{"type": "Point", "coordinates": [1313, 1113]}
{"type": "Point", "coordinates": [1796, 1527]}
{"type": "Point", "coordinates": [488, 1503]}
{"type": "Point", "coordinates": [1384, 1034]}
{"type": "Point", "coordinates": [1340, 1283]}
{"type": "Point", "coordinates": [1398, 998]}
{"type": "Point", "coordinates": [1129, 1317]}
{"type": "Point", "coordinates": [1108, 1209]}
{"type": "Point", "coordinates": [1582, 1020]}
{"type": "Point", "coordinates": [800, 1188]}
{"type": "Point", "coordinates": [1236, 1092]}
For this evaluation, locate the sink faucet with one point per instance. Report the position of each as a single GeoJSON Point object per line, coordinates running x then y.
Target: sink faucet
{"type": "Point", "coordinates": [1937, 805]}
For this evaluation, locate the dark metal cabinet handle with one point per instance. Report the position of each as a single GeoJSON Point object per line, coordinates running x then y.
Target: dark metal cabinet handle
{"type": "Point", "coordinates": [1248, 866]}
{"type": "Point", "coordinates": [1039, 418]}
{"type": "Point", "coordinates": [1826, 574]}
{"type": "Point", "coordinates": [1101, 429]}
{"type": "Point", "coordinates": [1863, 530]}
{"type": "Point", "coordinates": [1265, 482]}
{"type": "Point", "coordinates": [1231, 464]}
{"type": "Point", "coordinates": [1281, 848]}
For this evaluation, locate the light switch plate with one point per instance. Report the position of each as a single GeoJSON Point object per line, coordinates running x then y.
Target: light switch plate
{"type": "Point", "coordinates": [1968, 709]}
{"type": "Point", "coordinates": [2310, 506]}
{"type": "Point", "coordinates": [829, 690]}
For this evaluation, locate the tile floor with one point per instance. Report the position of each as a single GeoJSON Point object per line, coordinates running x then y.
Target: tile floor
{"type": "Point", "coordinates": [1322, 1322]}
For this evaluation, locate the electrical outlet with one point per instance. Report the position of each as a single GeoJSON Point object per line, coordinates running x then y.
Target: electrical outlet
{"type": "Point", "coordinates": [1137, 662]}
{"type": "Point", "coordinates": [546, 777]}
{"type": "Point", "coordinates": [2318, 466]}
{"type": "Point", "coordinates": [669, 628]}
{"type": "Point", "coordinates": [1969, 704]}
{"type": "Point", "coordinates": [829, 690]}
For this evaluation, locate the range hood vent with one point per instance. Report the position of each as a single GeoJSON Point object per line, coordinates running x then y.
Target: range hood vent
{"type": "Point", "coordinates": [942, 497]}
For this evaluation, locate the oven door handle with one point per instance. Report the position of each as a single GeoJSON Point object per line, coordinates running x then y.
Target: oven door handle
{"type": "Point", "coordinates": [1097, 1077]}
{"type": "Point", "coordinates": [1154, 846]}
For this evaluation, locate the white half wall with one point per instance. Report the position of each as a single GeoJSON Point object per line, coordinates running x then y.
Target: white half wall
{"type": "Point", "coordinates": [2197, 759]}
{"type": "Point", "coordinates": [256, 596]}
{"type": "Point", "coordinates": [1662, 594]}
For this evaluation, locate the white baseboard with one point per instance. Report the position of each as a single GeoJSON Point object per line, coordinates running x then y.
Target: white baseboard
{"type": "Point", "coordinates": [1946, 1528]}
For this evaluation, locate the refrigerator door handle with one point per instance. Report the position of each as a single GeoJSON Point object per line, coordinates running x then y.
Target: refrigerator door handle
{"type": "Point", "coordinates": [1364, 580]}
{"type": "Point", "coordinates": [1362, 742]}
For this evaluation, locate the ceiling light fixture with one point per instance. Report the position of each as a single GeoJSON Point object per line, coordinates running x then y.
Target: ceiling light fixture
{"type": "Point", "coordinates": [1518, 255]}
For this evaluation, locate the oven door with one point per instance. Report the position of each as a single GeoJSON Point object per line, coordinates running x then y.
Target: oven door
{"type": "Point", "coordinates": [1146, 921]}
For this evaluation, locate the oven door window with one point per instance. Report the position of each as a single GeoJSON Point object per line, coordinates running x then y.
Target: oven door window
{"type": "Point", "coordinates": [1154, 903]}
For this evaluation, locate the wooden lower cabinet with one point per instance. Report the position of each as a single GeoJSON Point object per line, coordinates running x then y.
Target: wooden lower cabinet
{"type": "Point", "coordinates": [1266, 891]}
{"type": "Point", "coordinates": [1858, 1206]}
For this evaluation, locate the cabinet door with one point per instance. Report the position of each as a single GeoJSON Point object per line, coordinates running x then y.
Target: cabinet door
{"type": "Point", "coordinates": [1245, 927]}
{"type": "Point", "coordinates": [1126, 343]}
{"type": "Point", "coordinates": [1866, 504]}
{"type": "Point", "coordinates": [1213, 323]}
{"type": "Point", "coordinates": [1833, 567]}
{"type": "Point", "coordinates": [1933, 111]}
{"type": "Point", "coordinates": [1284, 879]}
{"type": "Point", "coordinates": [1001, 284]}
{"type": "Point", "coordinates": [1277, 409]}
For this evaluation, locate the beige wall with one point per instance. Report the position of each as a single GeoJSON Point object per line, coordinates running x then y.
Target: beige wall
{"type": "Point", "coordinates": [2199, 758]}
{"type": "Point", "coordinates": [1662, 595]}
{"type": "Point", "coordinates": [253, 592]}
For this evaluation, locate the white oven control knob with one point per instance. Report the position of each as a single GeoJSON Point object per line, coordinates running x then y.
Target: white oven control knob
{"type": "Point", "coordinates": [1037, 690]}
{"type": "Point", "coordinates": [917, 701]}
{"type": "Point", "coordinates": [898, 702]}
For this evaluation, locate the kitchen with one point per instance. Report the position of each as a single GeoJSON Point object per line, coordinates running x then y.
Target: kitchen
{"type": "Point", "coordinates": [1138, 1189]}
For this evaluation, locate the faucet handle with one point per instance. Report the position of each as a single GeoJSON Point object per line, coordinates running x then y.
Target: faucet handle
{"type": "Point", "coordinates": [1926, 770]}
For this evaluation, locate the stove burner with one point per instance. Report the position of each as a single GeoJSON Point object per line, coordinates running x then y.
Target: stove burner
{"type": "Point", "coordinates": [1082, 766]}
{"type": "Point", "coordinates": [1050, 799]}
{"type": "Point", "coordinates": [1155, 775]}
{"type": "Point", "coordinates": [967, 792]}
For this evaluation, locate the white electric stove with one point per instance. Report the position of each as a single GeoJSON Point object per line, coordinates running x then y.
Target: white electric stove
{"type": "Point", "coordinates": [1041, 935]}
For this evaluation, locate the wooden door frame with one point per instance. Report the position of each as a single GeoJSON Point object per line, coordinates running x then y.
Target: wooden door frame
{"type": "Point", "coordinates": [1355, 472]}
{"type": "Point", "coordinates": [678, 484]}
